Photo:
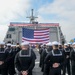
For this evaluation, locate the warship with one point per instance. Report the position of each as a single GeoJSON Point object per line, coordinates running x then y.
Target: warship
{"type": "Point", "coordinates": [14, 33]}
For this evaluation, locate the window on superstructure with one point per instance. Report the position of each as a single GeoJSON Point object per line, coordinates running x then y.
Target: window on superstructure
{"type": "Point", "coordinates": [11, 29]}
{"type": "Point", "coordinates": [8, 36]}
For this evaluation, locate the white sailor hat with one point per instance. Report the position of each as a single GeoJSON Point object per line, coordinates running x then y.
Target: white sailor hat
{"type": "Point", "coordinates": [55, 43]}
{"type": "Point", "coordinates": [49, 44]}
{"type": "Point", "coordinates": [60, 44]}
{"type": "Point", "coordinates": [73, 43]}
{"type": "Point", "coordinates": [44, 44]}
{"type": "Point", "coordinates": [25, 43]}
{"type": "Point", "coordinates": [13, 45]}
{"type": "Point", "coordinates": [69, 43]}
{"type": "Point", "coordinates": [2, 43]}
{"type": "Point", "coordinates": [41, 45]}
{"type": "Point", "coordinates": [9, 44]}
{"type": "Point", "coordinates": [65, 44]}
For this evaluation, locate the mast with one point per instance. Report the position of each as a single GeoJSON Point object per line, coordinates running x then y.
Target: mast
{"type": "Point", "coordinates": [32, 17]}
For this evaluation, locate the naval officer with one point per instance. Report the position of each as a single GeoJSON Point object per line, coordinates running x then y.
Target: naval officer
{"type": "Point", "coordinates": [56, 59]}
{"type": "Point", "coordinates": [25, 60]}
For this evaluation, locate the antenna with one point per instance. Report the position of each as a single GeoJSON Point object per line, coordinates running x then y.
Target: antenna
{"type": "Point", "coordinates": [32, 17]}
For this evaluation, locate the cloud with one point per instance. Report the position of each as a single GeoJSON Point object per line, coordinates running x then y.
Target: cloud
{"type": "Point", "coordinates": [64, 13]}
{"type": "Point", "coordinates": [11, 10]}
{"type": "Point", "coordinates": [57, 11]}
{"type": "Point", "coordinates": [3, 31]}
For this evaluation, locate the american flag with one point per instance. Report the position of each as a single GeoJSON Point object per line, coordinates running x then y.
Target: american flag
{"type": "Point", "coordinates": [35, 35]}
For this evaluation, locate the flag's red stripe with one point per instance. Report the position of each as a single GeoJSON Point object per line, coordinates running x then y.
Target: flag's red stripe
{"type": "Point", "coordinates": [41, 29]}
{"type": "Point", "coordinates": [41, 37]}
{"type": "Point", "coordinates": [34, 40]}
{"type": "Point", "coordinates": [41, 32]}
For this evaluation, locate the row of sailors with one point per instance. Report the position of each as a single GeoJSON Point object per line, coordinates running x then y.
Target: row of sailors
{"type": "Point", "coordinates": [55, 58]}
{"type": "Point", "coordinates": [7, 55]}
{"type": "Point", "coordinates": [19, 59]}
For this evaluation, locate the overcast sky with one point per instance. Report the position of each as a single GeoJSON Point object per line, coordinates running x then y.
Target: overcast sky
{"type": "Point", "coordinates": [51, 11]}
